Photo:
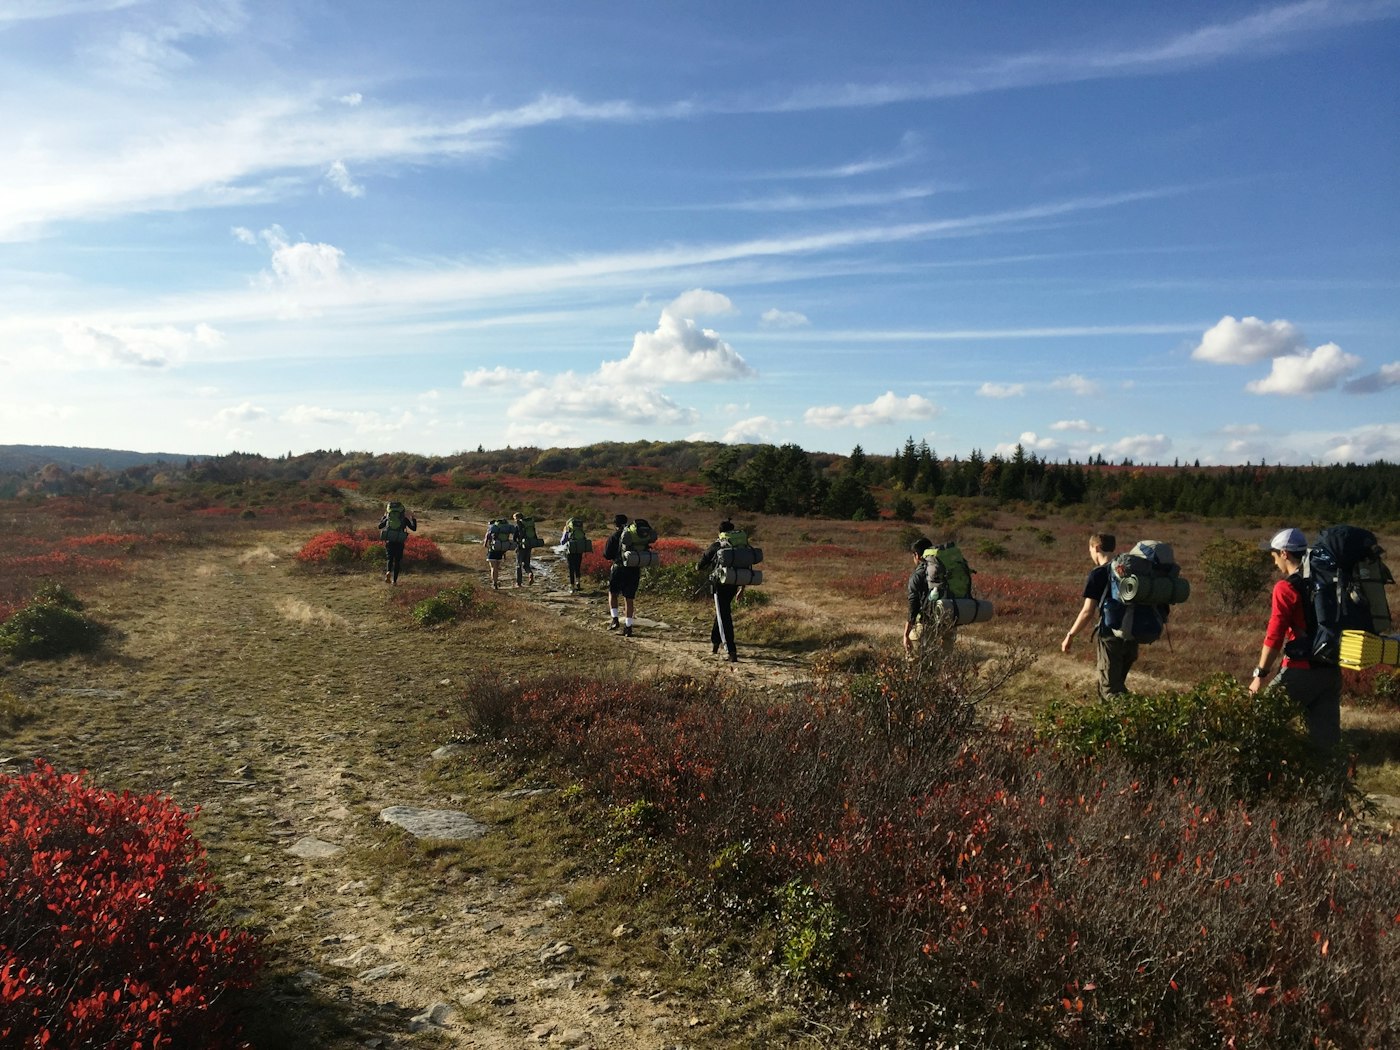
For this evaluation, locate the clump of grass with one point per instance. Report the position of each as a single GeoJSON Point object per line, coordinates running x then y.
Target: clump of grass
{"type": "Point", "coordinates": [49, 627]}
{"type": "Point", "coordinates": [14, 711]}
{"type": "Point", "coordinates": [448, 606]}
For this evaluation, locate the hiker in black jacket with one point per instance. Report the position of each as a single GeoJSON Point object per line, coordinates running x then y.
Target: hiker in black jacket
{"type": "Point", "coordinates": [395, 538]}
{"type": "Point", "coordinates": [722, 629]}
{"type": "Point", "coordinates": [523, 564]}
{"type": "Point", "coordinates": [917, 591]}
{"type": "Point", "coordinates": [623, 580]}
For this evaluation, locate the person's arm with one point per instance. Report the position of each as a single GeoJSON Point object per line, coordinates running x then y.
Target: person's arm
{"type": "Point", "coordinates": [1281, 605]}
{"type": "Point", "coordinates": [708, 558]}
{"type": "Point", "coordinates": [1086, 613]}
{"type": "Point", "coordinates": [411, 522]}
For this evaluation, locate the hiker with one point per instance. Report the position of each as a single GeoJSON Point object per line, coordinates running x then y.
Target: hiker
{"type": "Point", "coordinates": [623, 581]}
{"type": "Point", "coordinates": [575, 545]}
{"type": "Point", "coordinates": [523, 565]}
{"type": "Point", "coordinates": [394, 528]}
{"type": "Point", "coordinates": [917, 590]}
{"type": "Point", "coordinates": [1114, 656]}
{"type": "Point", "coordinates": [1315, 688]}
{"type": "Point", "coordinates": [722, 628]}
{"type": "Point", "coordinates": [499, 538]}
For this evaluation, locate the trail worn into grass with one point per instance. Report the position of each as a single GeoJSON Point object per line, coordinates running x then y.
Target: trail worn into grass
{"type": "Point", "coordinates": [292, 708]}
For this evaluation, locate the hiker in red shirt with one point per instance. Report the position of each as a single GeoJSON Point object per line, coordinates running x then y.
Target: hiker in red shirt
{"type": "Point", "coordinates": [1316, 689]}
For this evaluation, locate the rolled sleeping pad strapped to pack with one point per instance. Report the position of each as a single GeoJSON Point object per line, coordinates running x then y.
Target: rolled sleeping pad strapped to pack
{"type": "Point", "coordinates": [640, 559]}
{"type": "Point", "coordinates": [1153, 590]}
{"type": "Point", "coordinates": [739, 557]}
{"type": "Point", "coordinates": [963, 610]}
{"type": "Point", "coordinates": [1359, 650]}
{"type": "Point", "coordinates": [742, 577]}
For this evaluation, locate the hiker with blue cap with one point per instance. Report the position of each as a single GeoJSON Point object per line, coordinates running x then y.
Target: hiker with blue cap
{"type": "Point", "coordinates": [1314, 686]}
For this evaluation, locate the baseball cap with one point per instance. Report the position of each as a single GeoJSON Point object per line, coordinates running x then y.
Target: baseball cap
{"type": "Point", "coordinates": [1286, 540]}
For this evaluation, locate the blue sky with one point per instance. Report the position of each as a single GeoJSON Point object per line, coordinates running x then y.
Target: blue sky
{"type": "Point", "coordinates": [1151, 231]}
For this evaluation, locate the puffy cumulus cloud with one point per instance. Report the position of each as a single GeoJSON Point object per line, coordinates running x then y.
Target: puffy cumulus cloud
{"type": "Point", "coordinates": [1307, 372]}
{"type": "Point", "coordinates": [1001, 390]}
{"type": "Point", "coordinates": [783, 319]}
{"type": "Point", "coordinates": [301, 264]}
{"type": "Point", "coordinates": [1081, 426]}
{"type": "Point", "coordinates": [1243, 342]}
{"type": "Point", "coordinates": [130, 345]}
{"type": "Point", "coordinates": [679, 351]}
{"type": "Point", "coordinates": [501, 376]}
{"type": "Point", "coordinates": [1137, 447]}
{"type": "Point", "coordinates": [1384, 378]}
{"type": "Point", "coordinates": [887, 408]}
{"type": "Point", "coordinates": [572, 397]}
{"type": "Point", "coordinates": [1029, 441]}
{"type": "Point", "coordinates": [338, 175]}
{"type": "Point", "coordinates": [1076, 384]}
{"type": "Point", "coordinates": [756, 430]}
{"type": "Point", "coordinates": [1365, 445]}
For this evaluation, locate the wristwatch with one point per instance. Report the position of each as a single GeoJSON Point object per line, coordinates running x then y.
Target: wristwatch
{"type": "Point", "coordinates": [1259, 672]}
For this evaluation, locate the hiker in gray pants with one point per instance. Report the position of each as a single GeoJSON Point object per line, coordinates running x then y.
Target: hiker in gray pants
{"type": "Point", "coordinates": [1114, 656]}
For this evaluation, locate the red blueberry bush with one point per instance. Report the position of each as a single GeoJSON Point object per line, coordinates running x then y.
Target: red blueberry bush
{"type": "Point", "coordinates": [106, 938]}
{"type": "Point", "coordinates": [351, 548]}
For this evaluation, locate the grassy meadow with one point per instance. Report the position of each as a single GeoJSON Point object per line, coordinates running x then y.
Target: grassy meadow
{"type": "Point", "coordinates": [867, 840]}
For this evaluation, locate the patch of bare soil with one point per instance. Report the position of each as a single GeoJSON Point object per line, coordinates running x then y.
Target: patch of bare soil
{"type": "Point", "coordinates": [292, 708]}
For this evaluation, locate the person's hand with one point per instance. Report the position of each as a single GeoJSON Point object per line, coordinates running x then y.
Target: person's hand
{"type": "Point", "coordinates": [1255, 684]}
{"type": "Point", "coordinates": [1064, 646]}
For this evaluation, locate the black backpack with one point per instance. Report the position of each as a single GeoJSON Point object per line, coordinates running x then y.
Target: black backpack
{"type": "Point", "coordinates": [1342, 587]}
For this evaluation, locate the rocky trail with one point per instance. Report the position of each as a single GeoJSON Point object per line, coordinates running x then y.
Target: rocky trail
{"type": "Point", "coordinates": [301, 713]}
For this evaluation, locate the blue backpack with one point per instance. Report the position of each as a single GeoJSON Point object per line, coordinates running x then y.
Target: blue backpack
{"type": "Point", "coordinates": [1143, 585]}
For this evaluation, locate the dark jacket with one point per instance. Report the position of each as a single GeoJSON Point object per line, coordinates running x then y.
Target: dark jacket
{"type": "Point", "coordinates": [612, 550]}
{"type": "Point", "coordinates": [409, 522]}
{"type": "Point", "coordinates": [917, 590]}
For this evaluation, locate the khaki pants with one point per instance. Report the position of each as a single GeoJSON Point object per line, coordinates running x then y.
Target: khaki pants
{"type": "Point", "coordinates": [1116, 657]}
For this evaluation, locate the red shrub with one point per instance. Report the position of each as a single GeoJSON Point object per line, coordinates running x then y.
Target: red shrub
{"type": "Point", "coordinates": [872, 585]}
{"type": "Point", "coordinates": [104, 938]}
{"type": "Point", "coordinates": [352, 548]}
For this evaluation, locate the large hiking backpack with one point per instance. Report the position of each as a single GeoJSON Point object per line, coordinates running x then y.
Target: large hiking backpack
{"type": "Point", "coordinates": [1143, 585]}
{"type": "Point", "coordinates": [950, 598]}
{"type": "Point", "coordinates": [735, 561]}
{"type": "Point", "coordinates": [526, 532]}
{"type": "Point", "coordinates": [579, 543]}
{"type": "Point", "coordinates": [395, 528]}
{"type": "Point", "coordinates": [637, 537]}
{"type": "Point", "coordinates": [500, 536]}
{"type": "Point", "coordinates": [1342, 586]}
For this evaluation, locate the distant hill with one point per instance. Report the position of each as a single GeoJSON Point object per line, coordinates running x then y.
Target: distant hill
{"type": "Point", "coordinates": [24, 458]}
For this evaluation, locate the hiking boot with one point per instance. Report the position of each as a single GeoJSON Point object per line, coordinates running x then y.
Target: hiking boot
{"type": "Point", "coordinates": [733, 659]}
{"type": "Point", "coordinates": [614, 625]}
{"type": "Point", "coordinates": [627, 631]}
{"type": "Point", "coordinates": [386, 577]}
{"type": "Point", "coordinates": [714, 649]}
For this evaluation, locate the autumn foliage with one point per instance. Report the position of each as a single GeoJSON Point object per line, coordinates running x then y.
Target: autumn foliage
{"type": "Point", "coordinates": [350, 548]}
{"type": "Point", "coordinates": [105, 935]}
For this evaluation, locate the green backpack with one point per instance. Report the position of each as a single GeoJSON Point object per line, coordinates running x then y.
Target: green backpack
{"type": "Point", "coordinates": [526, 530]}
{"type": "Point", "coordinates": [948, 573]}
{"type": "Point", "coordinates": [395, 523]}
{"type": "Point", "coordinates": [579, 543]}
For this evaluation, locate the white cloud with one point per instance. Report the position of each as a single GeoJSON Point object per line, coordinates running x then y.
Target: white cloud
{"type": "Point", "coordinates": [1307, 372]}
{"type": "Point", "coordinates": [783, 319]}
{"type": "Point", "coordinates": [1139, 447]}
{"type": "Point", "coordinates": [678, 351]}
{"type": "Point", "coordinates": [887, 408]}
{"type": "Point", "coordinates": [577, 398]}
{"type": "Point", "coordinates": [1082, 426]}
{"type": "Point", "coordinates": [338, 175]}
{"type": "Point", "coordinates": [500, 376]}
{"type": "Point", "coordinates": [1242, 429]}
{"type": "Point", "coordinates": [1232, 342]}
{"type": "Point", "coordinates": [1366, 445]}
{"type": "Point", "coordinates": [243, 234]}
{"type": "Point", "coordinates": [1076, 384]}
{"type": "Point", "coordinates": [303, 264]}
{"type": "Point", "coordinates": [756, 430]}
{"type": "Point", "coordinates": [1384, 378]}
{"type": "Point", "coordinates": [247, 412]}
{"type": "Point", "coordinates": [1029, 442]}
{"type": "Point", "coordinates": [365, 423]}
{"type": "Point", "coordinates": [352, 99]}
{"type": "Point", "coordinates": [1001, 390]}
{"type": "Point", "coordinates": [543, 432]}
{"type": "Point", "coordinates": [125, 345]}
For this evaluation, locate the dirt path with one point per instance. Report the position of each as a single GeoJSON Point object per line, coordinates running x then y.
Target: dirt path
{"type": "Point", "coordinates": [292, 708]}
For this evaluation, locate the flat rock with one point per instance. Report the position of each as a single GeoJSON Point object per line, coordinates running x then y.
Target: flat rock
{"type": "Point", "coordinates": [434, 823]}
{"type": "Point", "coordinates": [311, 848]}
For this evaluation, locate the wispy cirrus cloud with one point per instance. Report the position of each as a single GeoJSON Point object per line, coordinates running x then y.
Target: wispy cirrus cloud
{"type": "Point", "coordinates": [1001, 390]}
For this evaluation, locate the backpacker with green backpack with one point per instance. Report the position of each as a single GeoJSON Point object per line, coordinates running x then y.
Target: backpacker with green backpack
{"type": "Point", "coordinates": [950, 599]}
{"type": "Point", "coordinates": [500, 536]}
{"type": "Point", "coordinates": [579, 543]}
{"type": "Point", "coordinates": [525, 530]}
{"type": "Point", "coordinates": [395, 528]}
{"type": "Point", "coordinates": [636, 540]}
{"type": "Point", "coordinates": [1143, 585]}
{"type": "Point", "coordinates": [735, 561]}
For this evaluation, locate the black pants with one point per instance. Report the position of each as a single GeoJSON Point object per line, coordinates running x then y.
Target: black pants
{"type": "Point", "coordinates": [522, 564]}
{"type": "Point", "coordinates": [393, 557]}
{"type": "Point", "coordinates": [575, 568]}
{"type": "Point", "coordinates": [722, 630]}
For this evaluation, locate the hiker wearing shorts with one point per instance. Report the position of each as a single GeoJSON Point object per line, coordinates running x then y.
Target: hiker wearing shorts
{"type": "Point", "coordinates": [722, 628]}
{"type": "Point", "coordinates": [393, 544]}
{"type": "Point", "coordinates": [623, 581]}
{"type": "Point", "coordinates": [574, 558]}
{"type": "Point", "coordinates": [1317, 690]}
{"type": "Point", "coordinates": [522, 552]}
{"type": "Point", "coordinates": [1114, 656]}
{"type": "Point", "coordinates": [493, 555]}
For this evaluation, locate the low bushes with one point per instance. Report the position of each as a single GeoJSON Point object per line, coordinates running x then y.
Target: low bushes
{"type": "Point", "coordinates": [52, 624]}
{"type": "Point", "coordinates": [355, 549]}
{"type": "Point", "coordinates": [105, 935]}
{"type": "Point", "coordinates": [974, 885]}
{"type": "Point", "coordinates": [447, 606]}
